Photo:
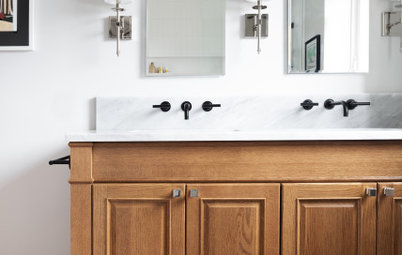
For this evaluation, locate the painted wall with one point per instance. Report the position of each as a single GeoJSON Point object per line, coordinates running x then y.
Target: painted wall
{"type": "Point", "coordinates": [49, 92]}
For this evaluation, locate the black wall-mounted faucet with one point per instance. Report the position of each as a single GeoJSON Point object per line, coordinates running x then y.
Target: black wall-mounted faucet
{"type": "Point", "coordinates": [329, 104]}
{"type": "Point", "coordinates": [186, 107]}
{"type": "Point", "coordinates": [208, 106]}
{"type": "Point", "coordinates": [308, 104]}
{"type": "Point", "coordinates": [164, 106]}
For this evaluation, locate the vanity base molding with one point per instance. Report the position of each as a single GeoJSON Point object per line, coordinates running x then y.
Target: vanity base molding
{"type": "Point", "coordinates": [204, 198]}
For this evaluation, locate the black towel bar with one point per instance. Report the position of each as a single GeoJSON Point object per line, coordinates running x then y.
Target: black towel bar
{"type": "Point", "coordinates": [61, 161]}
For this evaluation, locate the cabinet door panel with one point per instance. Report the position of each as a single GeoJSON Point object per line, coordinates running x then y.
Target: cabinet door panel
{"type": "Point", "coordinates": [233, 219]}
{"type": "Point", "coordinates": [138, 220]}
{"type": "Point", "coordinates": [329, 219]}
{"type": "Point", "coordinates": [389, 239]}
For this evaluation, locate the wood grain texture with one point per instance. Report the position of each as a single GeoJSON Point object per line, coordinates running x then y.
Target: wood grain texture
{"type": "Point", "coordinates": [389, 223]}
{"type": "Point", "coordinates": [81, 163]}
{"type": "Point", "coordinates": [248, 161]}
{"type": "Point", "coordinates": [329, 227]}
{"type": "Point", "coordinates": [233, 219]}
{"type": "Point", "coordinates": [81, 219]}
{"type": "Point", "coordinates": [329, 219]}
{"type": "Point", "coordinates": [138, 219]}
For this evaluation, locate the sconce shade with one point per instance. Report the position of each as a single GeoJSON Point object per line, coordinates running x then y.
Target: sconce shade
{"type": "Point", "coordinates": [114, 2]}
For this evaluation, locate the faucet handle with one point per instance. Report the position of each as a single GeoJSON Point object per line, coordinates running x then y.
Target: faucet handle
{"type": "Point", "coordinates": [164, 106]}
{"type": "Point", "coordinates": [208, 106]}
{"type": "Point", "coordinates": [308, 104]}
{"type": "Point", "coordinates": [352, 104]}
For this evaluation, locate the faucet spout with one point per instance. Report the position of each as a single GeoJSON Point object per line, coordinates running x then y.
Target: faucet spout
{"type": "Point", "coordinates": [345, 109]}
{"type": "Point", "coordinates": [186, 107]}
{"type": "Point", "coordinates": [330, 104]}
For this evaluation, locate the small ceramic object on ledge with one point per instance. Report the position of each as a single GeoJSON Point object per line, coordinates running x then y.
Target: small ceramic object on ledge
{"type": "Point", "coordinates": [160, 70]}
{"type": "Point", "coordinates": [165, 70]}
{"type": "Point", "coordinates": [152, 68]}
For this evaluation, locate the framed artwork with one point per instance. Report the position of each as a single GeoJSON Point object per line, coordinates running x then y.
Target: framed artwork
{"type": "Point", "coordinates": [16, 25]}
{"type": "Point", "coordinates": [312, 54]}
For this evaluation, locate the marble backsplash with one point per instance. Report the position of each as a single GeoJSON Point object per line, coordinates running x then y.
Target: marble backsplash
{"type": "Point", "coordinates": [246, 113]}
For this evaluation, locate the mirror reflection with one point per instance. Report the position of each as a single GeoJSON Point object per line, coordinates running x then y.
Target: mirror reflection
{"type": "Point", "coordinates": [185, 37]}
{"type": "Point", "coordinates": [328, 36]}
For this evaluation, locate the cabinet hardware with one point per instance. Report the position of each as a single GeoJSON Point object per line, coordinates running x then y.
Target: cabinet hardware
{"type": "Point", "coordinates": [389, 192]}
{"type": "Point", "coordinates": [176, 193]}
{"type": "Point", "coordinates": [371, 192]}
{"type": "Point", "coordinates": [194, 193]}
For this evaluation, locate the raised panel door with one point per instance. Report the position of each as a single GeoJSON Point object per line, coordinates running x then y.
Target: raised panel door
{"type": "Point", "coordinates": [328, 219]}
{"type": "Point", "coordinates": [138, 219]}
{"type": "Point", "coordinates": [389, 235]}
{"type": "Point", "coordinates": [241, 219]}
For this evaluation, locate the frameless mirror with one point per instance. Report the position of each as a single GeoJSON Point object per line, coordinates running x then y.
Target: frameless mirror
{"type": "Point", "coordinates": [185, 37]}
{"type": "Point", "coordinates": [328, 36]}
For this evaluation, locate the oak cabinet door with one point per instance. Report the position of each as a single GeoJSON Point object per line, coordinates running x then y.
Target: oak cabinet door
{"type": "Point", "coordinates": [330, 219]}
{"type": "Point", "coordinates": [235, 219]}
{"type": "Point", "coordinates": [389, 235]}
{"type": "Point", "coordinates": [138, 219]}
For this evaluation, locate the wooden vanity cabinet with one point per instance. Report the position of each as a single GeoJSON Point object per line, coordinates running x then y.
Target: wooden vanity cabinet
{"type": "Point", "coordinates": [216, 198]}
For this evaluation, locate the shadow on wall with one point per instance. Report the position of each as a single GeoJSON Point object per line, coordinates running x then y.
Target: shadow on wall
{"type": "Point", "coordinates": [34, 217]}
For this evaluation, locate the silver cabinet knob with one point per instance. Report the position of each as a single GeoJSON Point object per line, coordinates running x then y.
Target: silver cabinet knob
{"type": "Point", "coordinates": [371, 192]}
{"type": "Point", "coordinates": [193, 192]}
{"type": "Point", "coordinates": [389, 192]}
{"type": "Point", "coordinates": [176, 193]}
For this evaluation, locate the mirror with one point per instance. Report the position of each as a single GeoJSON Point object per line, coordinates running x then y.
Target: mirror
{"type": "Point", "coordinates": [185, 37]}
{"type": "Point", "coordinates": [328, 36]}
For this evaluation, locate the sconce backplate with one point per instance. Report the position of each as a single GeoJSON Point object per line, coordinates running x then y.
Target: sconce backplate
{"type": "Point", "coordinates": [127, 27]}
{"type": "Point", "coordinates": [251, 23]}
{"type": "Point", "coordinates": [391, 23]}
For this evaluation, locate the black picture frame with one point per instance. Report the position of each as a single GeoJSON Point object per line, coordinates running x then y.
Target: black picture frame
{"type": "Point", "coordinates": [20, 39]}
{"type": "Point", "coordinates": [313, 45]}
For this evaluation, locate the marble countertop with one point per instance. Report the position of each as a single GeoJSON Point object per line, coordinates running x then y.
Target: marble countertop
{"type": "Point", "coordinates": [237, 135]}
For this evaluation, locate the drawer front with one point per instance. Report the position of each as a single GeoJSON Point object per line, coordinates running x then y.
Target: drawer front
{"type": "Point", "coordinates": [247, 161]}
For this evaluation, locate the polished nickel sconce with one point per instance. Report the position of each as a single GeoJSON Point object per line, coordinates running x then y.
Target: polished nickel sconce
{"type": "Point", "coordinates": [256, 25]}
{"type": "Point", "coordinates": [120, 27]}
{"type": "Point", "coordinates": [391, 21]}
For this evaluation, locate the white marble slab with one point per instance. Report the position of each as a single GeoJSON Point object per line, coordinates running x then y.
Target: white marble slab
{"type": "Point", "coordinates": [230, 135]}
{"type": "Point", "coordinates": [247, 113]}
{"type": "Point", "coordinates": [259, 118]}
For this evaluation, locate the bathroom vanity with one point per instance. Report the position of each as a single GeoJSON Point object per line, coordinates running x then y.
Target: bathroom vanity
{"type": "Point", "coordinates": [235, 179]}
{"type": "Point", "coordinates": [235, 197]}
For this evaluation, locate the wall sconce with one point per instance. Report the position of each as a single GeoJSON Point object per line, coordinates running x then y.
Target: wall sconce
{"type": "Point", "coordinates": [391, 21]}
{"type": "Point", "coordinates": [120, 27]}
{"type": "Point", "coordinates": [256, 25]}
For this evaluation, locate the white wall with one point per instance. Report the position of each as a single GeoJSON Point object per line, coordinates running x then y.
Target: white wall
{"type": "Point", "coordinates": [49, 92]}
